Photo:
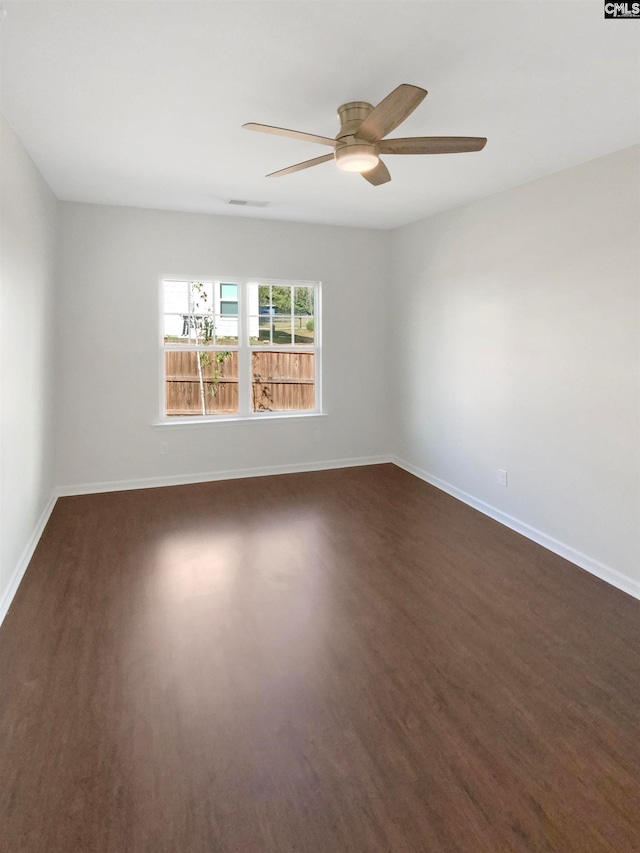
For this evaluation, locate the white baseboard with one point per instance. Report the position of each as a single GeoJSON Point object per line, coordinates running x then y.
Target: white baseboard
{"type": "Point", "coordinates": [583, 561]}
{"type": "Point", "coordinates": [209, 476]}
{"type": "Point", "coordinates": [25, 558]}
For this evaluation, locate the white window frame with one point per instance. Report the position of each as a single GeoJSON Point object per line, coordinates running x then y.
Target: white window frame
{"type": "Point", "coordinates": [245, 352]}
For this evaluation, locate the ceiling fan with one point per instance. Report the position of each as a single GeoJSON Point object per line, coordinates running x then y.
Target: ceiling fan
{"type": "Point", "coordinates": [360, 140]}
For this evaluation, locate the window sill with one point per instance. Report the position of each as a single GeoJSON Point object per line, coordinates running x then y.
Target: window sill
{"type": "Point", "coordinates": [204, 421]}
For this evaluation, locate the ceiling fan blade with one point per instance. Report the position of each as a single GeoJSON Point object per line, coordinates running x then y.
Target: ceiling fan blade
{"type": "Point", "coordinates": [378, 175]}
{"type": "Point", "coordinates": [432, 145]}
{"type": "Point", "coordinates": [299, 166]}
{"type": "Point", "coordinates": [292, 134]}
{"type": "Point", "coordinates": [390, 112]}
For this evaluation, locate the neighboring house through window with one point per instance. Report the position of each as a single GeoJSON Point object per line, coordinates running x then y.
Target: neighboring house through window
{"type": "Point", "coordinates": [239, 348]}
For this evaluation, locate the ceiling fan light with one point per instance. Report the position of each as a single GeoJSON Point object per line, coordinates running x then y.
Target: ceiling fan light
{"type": "Point", "coordinates": [357, 157]}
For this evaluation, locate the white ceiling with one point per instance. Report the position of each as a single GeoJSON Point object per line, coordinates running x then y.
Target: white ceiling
{"type": "Point", "coordinates": [141, 103]}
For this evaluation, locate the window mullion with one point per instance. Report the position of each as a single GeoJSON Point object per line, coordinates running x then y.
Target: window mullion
{"type": "Point", "coordinates": [244, 353]}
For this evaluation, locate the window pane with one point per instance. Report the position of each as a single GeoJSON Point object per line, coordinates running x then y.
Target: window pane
{"type": "Point", "coordinates": [200, 383]}
{"type": "Point", "coordinates": [282, 330]}
{"type": "Point", "coordinates": [264, 330]}
{"type": "Point", "coordinates": [175, 297]}
{"type": "Point", "coordinates": [229, 291]}
{"type": "Point", "coordinates": [264, 295]}
{"type": "Point", "coordinates": [252, 301]}
{"type": "Point", "coordinates": [303, 330]}
{"type": "Point", "coordinates": [201, 293]}
{"type": "Point", "coordinates": [202, 311]}
{"type": "Point", "coordinates": [303, 301]}
{"type": "Point", "coordinates": [226, 329]}
{"type": "Point", "coordinates": [281, 298]}
{"type": "Point", "coordinates": [254, 331]}
{"type": "Point", "coordinates": [176, 307]}
{"type": "Point", "coordinates": [202, 325]}
{"type": "Point", "coordinates": [229, 308]}
{"type": "Point", "coordinates": [283, 381]}
{"type": "Point", "coordinates": [176, 329]}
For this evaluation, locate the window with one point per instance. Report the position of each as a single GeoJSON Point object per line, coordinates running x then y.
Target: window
{"type": "Point", "coordinates": [236, 348]}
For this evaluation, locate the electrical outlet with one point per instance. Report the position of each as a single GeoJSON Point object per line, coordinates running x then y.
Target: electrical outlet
{"type": "Point", "coordinates": [164, 448]}
{"type": "Point", "coordinates": [502, 477]}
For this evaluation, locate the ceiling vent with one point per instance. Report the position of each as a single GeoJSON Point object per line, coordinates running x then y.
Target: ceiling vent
{"type": "Point", "coordinates": [243, 202]}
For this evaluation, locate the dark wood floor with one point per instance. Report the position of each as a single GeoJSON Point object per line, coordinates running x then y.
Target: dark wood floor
{"type": "Point", "coordinates": [328, 662]}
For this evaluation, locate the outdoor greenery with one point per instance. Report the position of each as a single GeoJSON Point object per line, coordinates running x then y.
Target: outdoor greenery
{"type": "Point", "coordinates": [279, 298]}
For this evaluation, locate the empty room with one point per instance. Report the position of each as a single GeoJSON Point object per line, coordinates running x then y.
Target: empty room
{"type": "Point", "coordinates": [320, 426]}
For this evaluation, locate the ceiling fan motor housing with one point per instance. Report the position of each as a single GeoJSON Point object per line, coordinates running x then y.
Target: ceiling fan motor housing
{"type": "Point", "coordinates": [351, 116]}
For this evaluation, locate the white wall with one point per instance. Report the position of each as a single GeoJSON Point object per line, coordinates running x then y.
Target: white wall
{"type": "Point", "coordinates": [111, 260]}
{"type": "Point", "coordinates": [519, 332]}
{"type": "Point", "coordinates": [27, 271]}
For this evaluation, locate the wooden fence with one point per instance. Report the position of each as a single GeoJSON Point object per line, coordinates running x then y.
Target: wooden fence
{"type": "Point", "coordinates": [281, 381]}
